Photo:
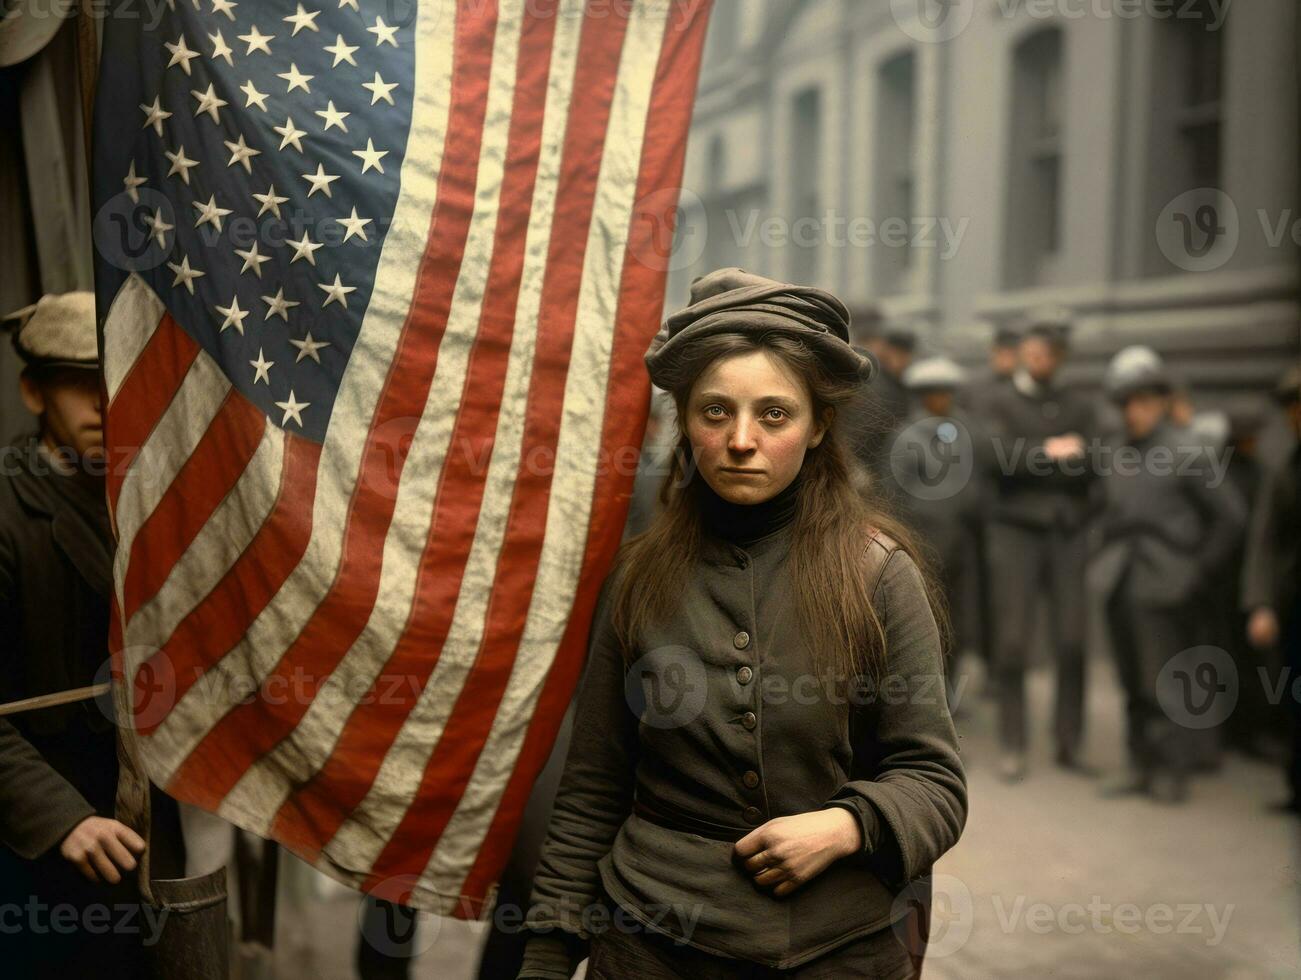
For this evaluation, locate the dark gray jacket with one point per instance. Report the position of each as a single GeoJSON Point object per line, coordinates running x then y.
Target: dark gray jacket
{"type": "Point", "coordinates": [718, 726]}
{"type": "Point", "coordinates": [1273, 561]}
{"type": "Point", "coordinates": [1162, 522]}
{"type": "Point", "coordinates": [1030, 491]}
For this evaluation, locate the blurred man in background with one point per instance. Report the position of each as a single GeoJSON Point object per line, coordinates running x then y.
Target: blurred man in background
{"type": "Point", "coordinates": [1165, 534]}
{"type": "Point", "coordinates": [1038, 432]}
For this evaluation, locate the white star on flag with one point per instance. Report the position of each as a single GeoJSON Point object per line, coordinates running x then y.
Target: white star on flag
{"type": "Point", "coordinates": [296, 79]}
{"type": "Point", "coordinates": [270, 201]}
{"type": "Point", "coordinates": [181, 55]}
{"type": "Point", "coordinates": [293, 409]}
{"type": "Point", "coordinates": [130, 182]}
{"type": "Point", "coordinates": [307, 347]}
{"type": "Point", "coordinates": [181, 164]}
{"type": "Point", "coordinates": [234, 316]}
{"type": "Point", "coordinates": [383, 33]}
{"type": "Point", "coordinates": [220, 49]}
{"type": "Point", "coordinates": [257, 41]}
{"type": "Point", "coordinates": [341, 51]}
{"type": "Point", "coordinates": [262, 368]}
{"type": "Point", "coordinates": [302, 19]}
{"type": "Point", "coordinates": [224, 7]}
{"type": "Point", "coordinates": [209, 213]}
{"type": "Point", "coordinates": [252, 260]}
{"type": "Point", "coordinates": [209, 102]}
{"type": "Point", "coordinates": [332, 116]}
{"type": "Point", "coordinates": [291, 134]}
{"type": "Point", "coordinates": [370, 157]}
{"type": "Point", "coordinates": [154, 115]}
{"type": "Point", "coordinates": [304, 248]}
{"type": "Point", "coordinates": [354, 226]}
{"type": "Point", "coordinates": [380, 89]}
{"type": "Point", "coordinates": [241, 152]}
{"type": "Point", "coordinates": [320, 181]}
{"type": "Point", "coordinates": [277, 305]}
{"type": "Point", "coordinates": [254, 96]}
{"type": "Point", "coordinates": [185, 276]}
{"type": "Point", "coordinates": [336, 292]}
{"type": "Point", "coordinates": [159, 226]}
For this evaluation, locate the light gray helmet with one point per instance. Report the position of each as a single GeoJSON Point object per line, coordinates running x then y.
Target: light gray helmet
{"type": "Point", "coordinates": [1135, 369]}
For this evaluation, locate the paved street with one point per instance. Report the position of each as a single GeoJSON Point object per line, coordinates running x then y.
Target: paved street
{"type": "Point", "coordinates": [1048, 880]}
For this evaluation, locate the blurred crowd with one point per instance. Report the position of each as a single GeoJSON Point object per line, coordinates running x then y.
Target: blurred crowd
{"type": "Point", "coordinates": [1054, 510]}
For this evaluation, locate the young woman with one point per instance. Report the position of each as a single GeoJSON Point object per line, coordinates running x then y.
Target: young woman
{"type": "Point", "coordinates": [763, 758]}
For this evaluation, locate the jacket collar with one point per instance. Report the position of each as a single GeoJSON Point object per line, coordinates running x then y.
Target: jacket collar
{"type": "Point", "coordinates": [78, 520]}
{"type": "Point", "coordinates": [771, 547]}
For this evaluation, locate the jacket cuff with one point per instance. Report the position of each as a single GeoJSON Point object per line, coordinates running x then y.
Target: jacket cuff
{"type": "Point", "coordinates": [552, 955]}
{"type": "Point", "coordinates": [869, 823]}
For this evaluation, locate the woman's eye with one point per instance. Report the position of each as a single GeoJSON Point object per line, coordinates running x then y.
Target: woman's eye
{"type": "Point", "coordinates": [775, 415]}
{"type": "Point", "coordinates": [714, 411]}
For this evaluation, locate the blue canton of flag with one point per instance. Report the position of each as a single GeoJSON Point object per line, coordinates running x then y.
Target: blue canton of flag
{"type": "Point", "coordinates": [257, 167]}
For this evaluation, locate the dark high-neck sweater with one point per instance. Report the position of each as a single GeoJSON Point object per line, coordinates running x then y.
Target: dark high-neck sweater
{"type": "Point", "coordinates": [743, 524]}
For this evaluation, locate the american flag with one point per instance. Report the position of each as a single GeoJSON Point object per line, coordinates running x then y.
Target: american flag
{"type": "Point", "coordinates": [375, 284]}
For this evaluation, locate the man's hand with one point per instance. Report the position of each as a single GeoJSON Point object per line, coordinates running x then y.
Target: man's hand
{"type": "Point", "coordinates": [1262, 628]}
{"type": "Point", "coordinates": [788, 851]}
{"type": "Point", "coordinates": [1064, 447]}
{"type": "Point", "coordinates": [99, 844]}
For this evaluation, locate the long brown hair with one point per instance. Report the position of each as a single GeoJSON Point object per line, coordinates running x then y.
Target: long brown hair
{"type": "Point", "coordinates": [830, 527]}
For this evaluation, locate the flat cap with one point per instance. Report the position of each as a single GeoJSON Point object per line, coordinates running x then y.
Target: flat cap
{"type": "Point", "coordinates": [902, 334]}
{"type": "Point", "coordinates": [735, 301]}
{"type": "Point", "coordinates": [57, 331]}
{"type": "Point", "coordinates": [933, 373]}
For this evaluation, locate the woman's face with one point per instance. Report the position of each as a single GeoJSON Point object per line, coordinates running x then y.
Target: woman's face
{"type": "Point", "coordinates": [750, 421]}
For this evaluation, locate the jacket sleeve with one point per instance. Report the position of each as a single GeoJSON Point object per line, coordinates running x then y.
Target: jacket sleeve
{"type": "Point", "coordinates": [909, 788]}
{"type": "Point", "coordinates": [1225, 513]}
{"type": "Point", "coordinates": [593, 799]}
{"type": "Point", "coordinates": [1258, 567]}
{"type": "Point", "coordinates": [38, 806]}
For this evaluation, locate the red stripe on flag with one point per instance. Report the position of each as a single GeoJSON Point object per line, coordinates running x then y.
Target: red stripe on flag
{"type": "Point", "coordinates": [202, 483]}
{"type": "Point", "coordinates": [312, 814]}
{"type": "Point", "coordinates": [143, 396]}
{"type": "Point", "coordinates": [452, 763]}
{"type": "Point", "coordinates": [253, 728]}
{"type": "Point", "coordinates": [640, 305]}
{"type": "Point", "coordinates": [223, 617]}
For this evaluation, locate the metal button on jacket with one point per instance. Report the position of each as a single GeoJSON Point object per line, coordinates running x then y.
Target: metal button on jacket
{"type": "Point", "coordinates": [751, 779]}
{"type": "Point", "coordinates": [741, 640]}
{"type": "Point", "coordinates": [744, 675]}
{"type": "Point", "coordinates": [752, 815]}
{"type": "Point", "coordinates": [749, 719]}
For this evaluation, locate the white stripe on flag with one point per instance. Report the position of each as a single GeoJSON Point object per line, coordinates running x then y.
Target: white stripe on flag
{"type": "Point", "coordinates": [132, 318]}
{"type": "Point", "coordinates": [404, 247]}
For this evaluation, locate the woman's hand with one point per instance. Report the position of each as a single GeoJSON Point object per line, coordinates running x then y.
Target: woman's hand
{"type": "Point", "coordinates": [786, 852]}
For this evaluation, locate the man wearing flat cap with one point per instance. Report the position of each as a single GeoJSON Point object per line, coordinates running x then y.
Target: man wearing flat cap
{"type": "Point", "coordinates": [59, 842]}
{"type": "Point", "coordinates": [1039, 431]}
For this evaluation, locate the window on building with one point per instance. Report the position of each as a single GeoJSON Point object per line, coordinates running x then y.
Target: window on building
{"type": "Point", "coordinates": [1187, 109]}
{"type": "Point", "coordinates": [1034, 195]}
{"type": "Point", "coordinates": [895, 181]}
{"type": "Point", "coordinates": [806, 165]}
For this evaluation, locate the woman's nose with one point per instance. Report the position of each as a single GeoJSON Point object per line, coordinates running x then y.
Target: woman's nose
{"type": "Point", "coordinates": [742, 436]}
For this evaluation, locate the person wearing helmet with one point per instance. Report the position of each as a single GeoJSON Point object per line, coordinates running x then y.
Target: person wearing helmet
{"type": "Point", "coordinates": [1164, 532]}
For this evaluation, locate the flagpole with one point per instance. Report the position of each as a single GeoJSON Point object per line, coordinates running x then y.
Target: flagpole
{"type": "Point", "coordinates": [87, 71]}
